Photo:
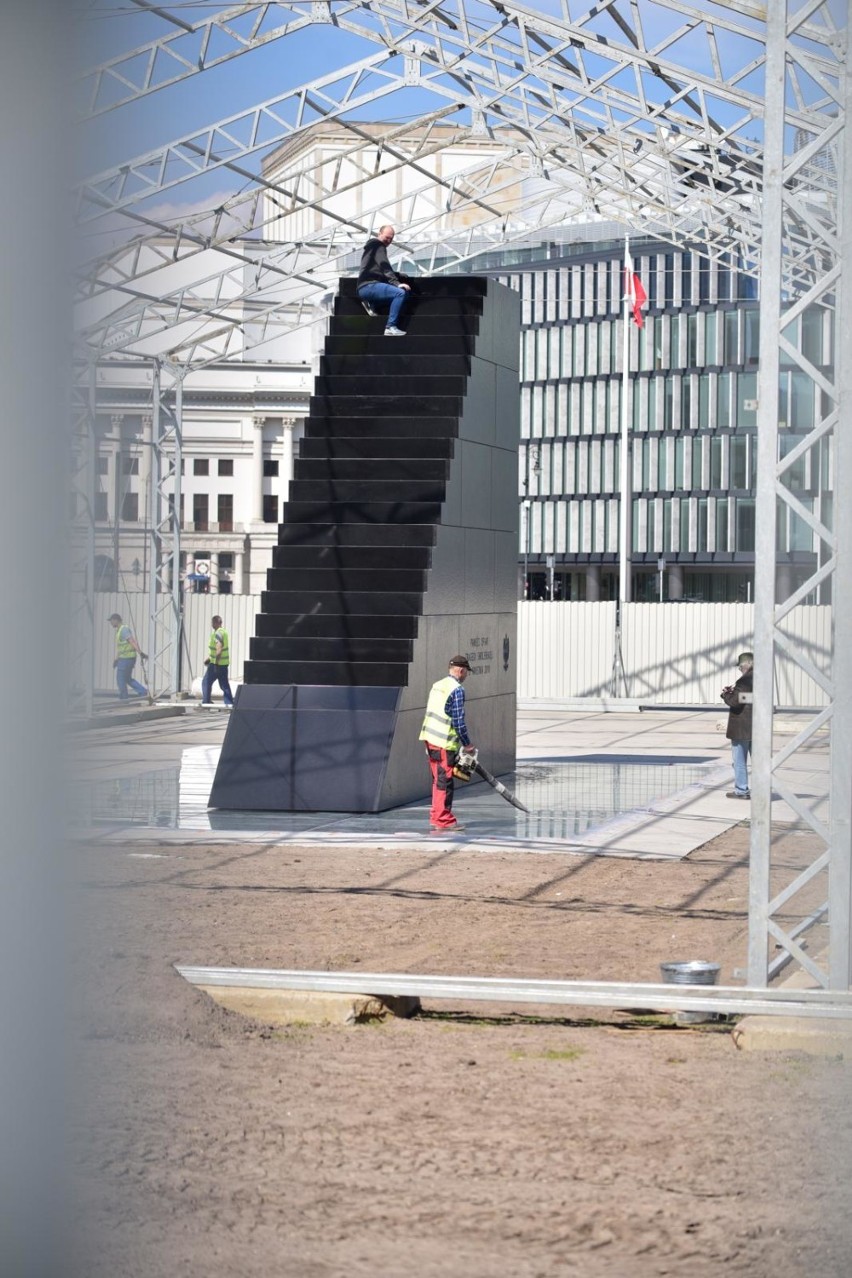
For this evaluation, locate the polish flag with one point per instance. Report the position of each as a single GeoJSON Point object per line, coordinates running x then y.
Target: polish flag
{"type": "Point", "coordinates": [635, 293]}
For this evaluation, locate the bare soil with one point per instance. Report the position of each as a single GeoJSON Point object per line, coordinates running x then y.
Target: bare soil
{"type": "Point", "coordinates": [469, 1142]}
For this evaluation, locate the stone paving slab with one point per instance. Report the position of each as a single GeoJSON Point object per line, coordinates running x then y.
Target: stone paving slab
{"type": "Point", "coordinates": [665, 828]}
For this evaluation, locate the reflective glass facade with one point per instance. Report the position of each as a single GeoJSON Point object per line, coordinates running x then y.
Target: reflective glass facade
{"type": "Point", "coordinates": [693, 413]}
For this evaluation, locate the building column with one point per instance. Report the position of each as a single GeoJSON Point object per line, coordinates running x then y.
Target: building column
{"type": "Point", "coordinates": [257, 469]}
{"type": "Point", "coordinates": [239, 572]}
{"type": "Point", "coordinates": [288, 424]}
{"type": "Point", "coordinates": [593, 583]}
{"type": "Point", "coordinates": [214, 572]}
{"type": "Point", "coordinates": [675, 582]}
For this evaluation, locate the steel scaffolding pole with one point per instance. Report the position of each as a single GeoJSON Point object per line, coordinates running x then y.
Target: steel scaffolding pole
{"type": "Point", "coordinates": [790, 295]}
{"type": "Point", "coordinates": [165, 613]}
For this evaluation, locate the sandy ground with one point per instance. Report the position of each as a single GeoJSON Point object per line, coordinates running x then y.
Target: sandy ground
{"type": "Point", "coordinates": [471, 1142]}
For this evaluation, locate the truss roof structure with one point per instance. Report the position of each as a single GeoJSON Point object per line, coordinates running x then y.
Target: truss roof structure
{"type": "Point", "coordinates": [647, 113]}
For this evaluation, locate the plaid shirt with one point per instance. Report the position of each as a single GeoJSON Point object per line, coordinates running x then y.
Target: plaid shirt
{"type": "Point", "coordinates": [454, 708]}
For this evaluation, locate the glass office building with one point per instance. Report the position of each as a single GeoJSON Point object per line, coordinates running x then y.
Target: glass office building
{"type": "Point", "coordinates": [692, 413]}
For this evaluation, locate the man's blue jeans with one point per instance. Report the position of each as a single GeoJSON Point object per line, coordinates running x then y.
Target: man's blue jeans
{"type": "Point", "coordinates": [381, 295]}
{"type": "Point", "coordinates": [740, 750]}
{"type": "Point", "coordinates": [124, 678]}
{"type": "Point", "coordinates": [212, 674]}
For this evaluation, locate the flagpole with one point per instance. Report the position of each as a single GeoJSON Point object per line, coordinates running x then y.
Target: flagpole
{"type": "Point", "coordinates": [625, 505]}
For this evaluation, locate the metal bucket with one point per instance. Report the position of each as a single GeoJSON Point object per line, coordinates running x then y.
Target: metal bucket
{"type": "Point", "coordinates": [696, 972]}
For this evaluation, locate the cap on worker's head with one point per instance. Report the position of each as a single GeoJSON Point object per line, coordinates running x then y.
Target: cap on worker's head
{"type": "Point", "coordinates": [460, 661]}
{"type": "Point", "coordinates": [745, 656]}
{"type": "Point", "coordinates": [116, 616]}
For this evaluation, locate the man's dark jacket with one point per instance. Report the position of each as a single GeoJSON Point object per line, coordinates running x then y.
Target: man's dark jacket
{"type": "Point", "coordinates": [739, 717]}
{"type": "Point", "coordinates": [375, 267]}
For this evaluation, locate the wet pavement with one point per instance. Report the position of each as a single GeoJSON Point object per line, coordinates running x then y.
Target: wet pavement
{"type": "Point", "coordinates": [649, 784]}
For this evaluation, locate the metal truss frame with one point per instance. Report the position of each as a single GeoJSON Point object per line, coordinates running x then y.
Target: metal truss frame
{"type": "Point", "coordinates": [721, 127]}
{"type": "Point", "coordinates": [774, 917]}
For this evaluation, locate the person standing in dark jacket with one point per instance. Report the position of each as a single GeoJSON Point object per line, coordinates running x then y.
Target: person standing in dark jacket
{"type": "Point", "coordinates": [378, 285]}
{"type": "Point", "coordinates": [738, 698]}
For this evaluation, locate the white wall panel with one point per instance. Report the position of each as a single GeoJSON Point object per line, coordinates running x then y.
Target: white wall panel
{"type": "Point", "coordinates": [674, 654]}
{"type": "Point", "coordinates": [565, 649]}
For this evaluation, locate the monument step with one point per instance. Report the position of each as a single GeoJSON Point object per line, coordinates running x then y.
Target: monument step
{"type": "Point", "coordinates": [431, 285]}
{"type": "Point", "coordinates": [355, 674]}
{"type": "Point", "coordinates": [346, 580]}
{"type": "Point", "coordinates": [415, 344]}
{"type": "Point", "coordinates": [345, 602]}
{"type": "Point", "coordinates": [330, 625]}
{"type": "Point", "coordinates": [372, 406]}
{"type": "Point", "coordinates": [416, 304]}
{"type": "Point", "coordinates": [367, 490]}
{"type": "Point", "coordinates": [373, 557]}
{"type": "Point", "coordinates": [385, 382]}
{"type": "Point", "coordinates": [394, 426]}
{"type": "Point", "coordinates": [422, 324]}
{"type": "Point", "coordinates": [381, 364]}
{"type": "Point", "coordinates": [356, 512]}
{"type": "Point", "coordinates": [338, 648]}
{"type": "Point", "coordinates": [329, 533]}
{"type": "Point", "coordinates": [380, 468]}
{"type": "Point", "coordinates": [374, 447]}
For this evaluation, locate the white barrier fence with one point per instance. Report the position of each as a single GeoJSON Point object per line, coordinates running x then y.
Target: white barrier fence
{"type": "Point", "coordinates": [669, 654]}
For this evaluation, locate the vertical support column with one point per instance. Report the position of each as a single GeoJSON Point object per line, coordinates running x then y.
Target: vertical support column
{"type": "Point", "coordinates": [767, 451]}
{"type": "Point", "coordinates": [239, 573]}
{"type": "Point", "coordinates": [593, 583]}
{"type": "Point", "coordinates": [145, 485]}
{"type": "Point", "coordinates": [214, 572]}
{"type": "Point", "coordinates": [164, 584]}
{"type": "Point", "coordinates": [288, 424]}
{"type": "Point", "coordinates": [120, 485]}
{"type": "Point", "coordinates": [257, 469]}
{"type": "Point", "coordinates": [840, 829]}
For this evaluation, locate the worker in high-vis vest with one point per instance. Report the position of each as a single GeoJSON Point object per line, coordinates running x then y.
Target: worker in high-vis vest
{"type": "Point", "coordinates": [216, 665]}
{"type": "Point", "coordinates": [126, 652]}
{"type": "Point", "coordinates": [444, 731]}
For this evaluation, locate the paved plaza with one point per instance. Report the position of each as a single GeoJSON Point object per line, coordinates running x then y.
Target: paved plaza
{"type": "Point", "coordinates": [639, 784]}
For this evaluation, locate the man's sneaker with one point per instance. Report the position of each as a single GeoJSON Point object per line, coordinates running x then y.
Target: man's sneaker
{"type": "Point", "coordinates": [738, 794]}
{"type": "Point", "coordinates": [394, 332]}
{"type": "Point", "coordinates": [368, 308]}
{"type": "Point", "coordinates": [446, 829]}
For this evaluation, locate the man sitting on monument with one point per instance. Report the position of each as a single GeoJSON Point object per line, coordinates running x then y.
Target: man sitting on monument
{"type": "Point", "coordinates": [444, 731]}
{"type": "Point", "coordinates": [379, 285]}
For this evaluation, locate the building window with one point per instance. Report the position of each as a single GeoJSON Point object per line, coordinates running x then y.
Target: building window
{"type": "Point", "coordinates": [226, 466]}
{"type": "Point", "coordinates": [745, 523]}
{"type": "Point", "coordinates": [130, 508]}
{"type": "Point", "coordinates": [225, 512]}
{"type": "Point", "coordinates": [226, 587]}
{"type": "Point", "coordinates": [200, 511]}
{"type": "Point", "coordinates": [270, 468]}
{"type": "Point", "coordinates": [129, 464]}
{"type": "Point", "coordinates": [226, 561]}
{"type": "Point", "coordinates": [201, 466]}
{"type": "Point", "coordinates": [101, 508]}
{"type": "Point", "coordinates": [270, 509]}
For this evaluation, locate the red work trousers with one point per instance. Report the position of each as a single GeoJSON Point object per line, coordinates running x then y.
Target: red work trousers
{"type": "Point", "coordinates": [441, 764]}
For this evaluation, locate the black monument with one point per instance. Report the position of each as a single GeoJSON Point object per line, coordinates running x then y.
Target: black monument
{"type": "Point", "coordinates": [398, 548]}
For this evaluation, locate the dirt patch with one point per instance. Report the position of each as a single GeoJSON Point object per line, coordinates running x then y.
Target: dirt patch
{"type": "Point", "coordinates": [473, 1141]}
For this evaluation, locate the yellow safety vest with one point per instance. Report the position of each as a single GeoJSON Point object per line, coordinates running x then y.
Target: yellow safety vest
{"type": "Point", "coordinates": [437, 727]}
{"type": "Point", "coordinates": [219, 636]}
{"type": "Point", "coordinates": [123, 646]}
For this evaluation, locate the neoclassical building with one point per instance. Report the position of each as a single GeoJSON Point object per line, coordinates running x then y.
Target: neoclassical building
{"type": "Point", "coordinates": [241, 424]}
